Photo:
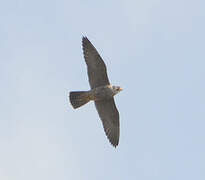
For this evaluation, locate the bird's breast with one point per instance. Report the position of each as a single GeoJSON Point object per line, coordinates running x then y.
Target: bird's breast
{"type": "Point", "coordinates": [101, 93]}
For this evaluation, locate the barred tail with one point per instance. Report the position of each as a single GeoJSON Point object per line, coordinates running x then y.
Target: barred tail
{"type": "Point", "coordinates": [79, 98]}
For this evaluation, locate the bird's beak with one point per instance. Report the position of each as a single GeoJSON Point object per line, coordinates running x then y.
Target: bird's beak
{"type": "Point", "coordinates": [121, 89]}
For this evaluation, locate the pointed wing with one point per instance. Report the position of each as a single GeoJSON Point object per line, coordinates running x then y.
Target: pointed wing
{"type": "Point", "coordinates": [97, 72]}
{"type": "Point", "coordinates": [110, 118]}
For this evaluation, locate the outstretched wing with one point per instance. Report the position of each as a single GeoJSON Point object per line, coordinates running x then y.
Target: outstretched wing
{"type": "Point", "coordinates": [97, 72]}
{"type": "Point", "coordinates": [110, 118]}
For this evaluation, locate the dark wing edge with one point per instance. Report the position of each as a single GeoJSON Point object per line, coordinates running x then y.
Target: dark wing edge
{"type": "Point", "coordinates": [97, 72]}
{"type": "Point", "coordinates": [110, 118]}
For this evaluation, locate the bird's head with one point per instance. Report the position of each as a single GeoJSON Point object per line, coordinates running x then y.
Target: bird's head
{"type": "Point", "coordinates": [116, 89]}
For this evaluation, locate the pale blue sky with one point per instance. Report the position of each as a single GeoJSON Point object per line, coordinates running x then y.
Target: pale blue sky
{"type": "Point", "coordinates": [154, 49]}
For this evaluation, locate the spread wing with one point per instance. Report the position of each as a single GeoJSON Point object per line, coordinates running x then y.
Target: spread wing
{"type": "Point", "coordinates": [97, 72]}
{"type": "Point", "coordinates": [110, 118]}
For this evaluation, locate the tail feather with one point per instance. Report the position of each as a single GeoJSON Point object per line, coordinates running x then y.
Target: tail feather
{"type": "Point", "coordinates": [79, 98]}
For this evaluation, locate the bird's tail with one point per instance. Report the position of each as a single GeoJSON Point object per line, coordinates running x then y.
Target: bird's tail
{"type": "Point", "coordinates": [79, 98]}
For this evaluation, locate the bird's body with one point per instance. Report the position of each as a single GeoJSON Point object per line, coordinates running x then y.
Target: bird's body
{"type": "Point", "coordinates": [79, 98]}
{"type": "Point", "coordinates": [101, 93]}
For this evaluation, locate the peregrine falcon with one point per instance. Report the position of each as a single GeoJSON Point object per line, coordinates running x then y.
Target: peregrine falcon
{"type": "Point", "coordinates": [102, 92]}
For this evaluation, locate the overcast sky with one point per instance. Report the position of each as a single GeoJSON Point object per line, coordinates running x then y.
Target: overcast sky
{"type": "Point", "coordinates": [154, 49]}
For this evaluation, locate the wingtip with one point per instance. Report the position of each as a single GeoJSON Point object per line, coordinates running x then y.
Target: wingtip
{"type": "Point", "coordinates": [84, 38]}
{"type": "Point", "coordinates": [114, 144]}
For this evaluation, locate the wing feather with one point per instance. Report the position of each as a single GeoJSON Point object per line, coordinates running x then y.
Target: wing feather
{"type": "Point", "coordinates": [110, 118]}
{"type": "Point", "coordinates": [97, 72]}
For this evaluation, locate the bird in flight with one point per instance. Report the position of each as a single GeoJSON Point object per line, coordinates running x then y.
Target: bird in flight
{"type": "Point", "coordinates": [102, 92]}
